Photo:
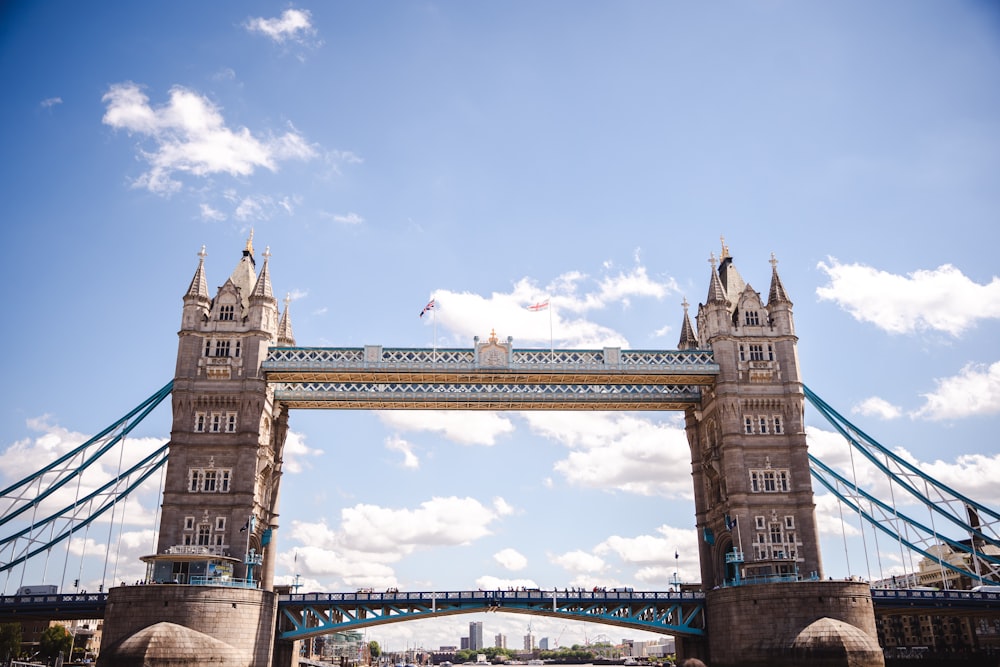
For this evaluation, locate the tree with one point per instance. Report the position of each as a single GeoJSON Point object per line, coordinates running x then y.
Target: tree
{"type": "Point", "coordinates": [374, 650]}
{"type": "Point", "coordinates": [54, 640]}
{"type": "Point", "coordinates": [10, 640]}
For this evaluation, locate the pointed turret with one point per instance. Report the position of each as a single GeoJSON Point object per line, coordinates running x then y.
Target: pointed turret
{"type": "Point", "coordinates": [263, 286]}
{"type": "Point", "coordinates": [716, 292]}
{"type": "Point", "coordinates": [688, 340]}
{"type": "Point", "coordinates": [198, 289]}
{"type": "Point", "coordinates": [285, 336]}
{"type": "Point", "coordinates": [777, 293]}
{"type": "Point", "coordinates": [197, 303]}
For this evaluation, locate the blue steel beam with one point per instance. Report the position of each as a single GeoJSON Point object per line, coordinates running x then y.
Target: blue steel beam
{"type": "Point", "coordinates": [310, 614]}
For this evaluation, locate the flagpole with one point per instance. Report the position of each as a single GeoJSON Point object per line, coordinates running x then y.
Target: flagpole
{"type": "Point", "coordinates": [434, 317]}
{"type": "Point", "coordinates": [552, 346]}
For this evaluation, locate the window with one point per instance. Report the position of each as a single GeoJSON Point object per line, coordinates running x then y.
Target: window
{"type": "Point", "coordinates": [759, 523]}
{"type": "Point", "coordinates": [216, 422]}
{"type": "Point", "coordinates": [789, 522]}
{"type": "Point", "coordinates": [763, 425]}
{"type": "Point", "coordinates": [230, 422]}
{"type": "Point", "coordinates": [770, 352]}
{"type": "Point", "coordinates": [188, 540]}
{"type": "Point", "coordinates": [204, 535]}
{"type": "Point", "coordinates": [747, 425]}
{"type": "Point", "coordinates": [220, 523]}
{"type": "Point", "coordinates": [227, 313]}
{"type": "Point", "coordinates": [199, 422]}
{"type": "Point", "coordinates": [777, 424]}
{"type": "Point", "coordinates": [776, 533]}
{"type": "Point", "coordinates": [237, 353]}
{"type": "Point", "coordinates": [222, 348]}
{"type": "Point", "coordinates": [220, 540]}
{"type": "Point", "coordinates": [209, 480]}
{"type": "Point", "coordinates": [751, 318]}
{"type": "Point", "coordinates": [189, 523]}
{"type": "Point", "coordinates": [769, 481]}
{"type": "Point", "coordinates": [208, 347]}
{"type": "Point", "coordinates": [743, 356]}
{"type": "Point", "coordinates": [756, 352]}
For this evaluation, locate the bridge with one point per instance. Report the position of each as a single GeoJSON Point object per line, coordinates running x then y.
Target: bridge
{"type": "Point", "coordinates": [240, 374]}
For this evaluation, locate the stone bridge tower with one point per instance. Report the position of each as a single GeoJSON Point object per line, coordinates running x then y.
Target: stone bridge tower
{"type": "Point", "coordinates": [219, 513]}
{"type": "Point", "coordinates": [752, 487]}
{"type": "Point", "coordinates": [766, 600]}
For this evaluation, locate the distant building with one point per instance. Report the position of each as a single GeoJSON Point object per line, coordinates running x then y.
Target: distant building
{"type": "Point", "coordinates": [465, 643]}
{"type": "Point", "coordinates": [529, 642]}
{"type": "Point", "coordinates": [476, 636]}
{"type": "Point", "coordinates": [500, 641]}
{"type": "Point", "coordinates": [543, 644]}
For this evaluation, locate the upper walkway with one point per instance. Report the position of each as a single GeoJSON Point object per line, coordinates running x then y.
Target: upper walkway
{"type": "Point", "coordinates": [490, 376]}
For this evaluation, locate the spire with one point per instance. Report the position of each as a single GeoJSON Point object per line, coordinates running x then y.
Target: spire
{"type": "Point", "coordinates": [777, 293]}
{"type": "Point", "coordinates": [285, 336]}
{"type": "Point", "coordinates": [199, 286]}
{"type": "Point", "coordinates": [688, 339]}
{"type": "Point", "coordinates": [716, 293]}
{"type": "Point", "coordinates": [244, 275]}
{"type": "Point", "coordinates": [263, 286]}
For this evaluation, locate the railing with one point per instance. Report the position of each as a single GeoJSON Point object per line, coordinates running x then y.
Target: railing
{"type": "Point", "coordinates": [221, 581]}
{"type": "Point", "coordinates": [487, 596]}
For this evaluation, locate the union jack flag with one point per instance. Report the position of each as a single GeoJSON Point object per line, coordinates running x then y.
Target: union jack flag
{"type": "Point", "coordinates": [431, 305]}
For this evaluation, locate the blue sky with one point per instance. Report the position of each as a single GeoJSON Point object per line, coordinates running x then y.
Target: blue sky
{"type": "Point", "coordinates": [491, 155]}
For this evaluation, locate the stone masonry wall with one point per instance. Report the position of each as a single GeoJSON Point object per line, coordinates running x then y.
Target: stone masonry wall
{"type": "Point", "coordinates": [241, 617]}
{"type": "Point", "coordinates": [750, 626]}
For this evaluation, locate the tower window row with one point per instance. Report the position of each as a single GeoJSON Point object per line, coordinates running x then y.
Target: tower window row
{"type": "Point", "coordinates": [222, 347]}
{"type": "Point", "coordinates": [769, 480]}
{"type": "Point", "coordinates": [774, 538]}
{"type": "Point", "coordinates": [215, 422]}
{"type": "Point", "coordinates": [227, 313]}
{"type": "Point", "coordinates": [757, 352]}
{"type": "Point", "coordinates": [762, 425]}
{"type": "Point", "coordinates": [209, 480]}
{"type": "Point", "coordinates": [201, 533]}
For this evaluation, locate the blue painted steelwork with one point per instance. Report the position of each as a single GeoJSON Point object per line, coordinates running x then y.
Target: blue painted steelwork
{"type": "Point", "coordinates": [41, 534]}
{"type": "Point", "coordinates": [979, 525]}
{"type": "Point", "coordinates": [309, 614]}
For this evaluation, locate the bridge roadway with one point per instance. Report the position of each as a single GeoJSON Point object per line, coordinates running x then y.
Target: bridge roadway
{"type": "Point", "coordinates": [307, 614]}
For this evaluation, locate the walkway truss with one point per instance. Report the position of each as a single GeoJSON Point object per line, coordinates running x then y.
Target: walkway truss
{"type": "Point", "coordinates": [305, 615]}
{"type": "Point", "coordinates": [967, 527]}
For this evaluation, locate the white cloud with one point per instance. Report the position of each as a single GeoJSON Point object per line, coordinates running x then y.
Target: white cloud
{"type": "Point", "coordinates": [370, 537]}
{"type": "Point", "coordinates": [942, 299]}
{"type": "Point", "coordinates": [490, 583]}
{"type": "Point", "coordinates": [467, 315]}
{"type": "Point", "coordinates": [209, 213]}
{"type": "Point", "coordinates": [510, 559]}
{"type": "Point", "coordinates": [877, 407]}
{"type": "Point", "coordinates": [467, 428]}
{"type": "Point", "coordinates": [579, 561]}
{"type": "Point", "coordinates": [293, 24]}
{"type": "Point", "coordinates": [975, 391]}
{"type": "Point", "coordinates": [349, 219]}
{"type": "Point", "coordinates": [296, 452]}
{"type": "Point", "coordinates": [189, 136]}
{"type": "Point", "coordinates": [50, 102]}
{"type": "Point", "coordinates": [619, 451]}
{"type": "Point", "coordinates": [397, 444]}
